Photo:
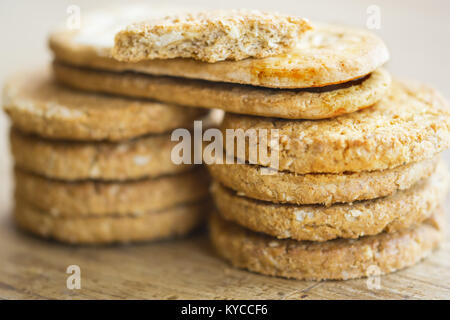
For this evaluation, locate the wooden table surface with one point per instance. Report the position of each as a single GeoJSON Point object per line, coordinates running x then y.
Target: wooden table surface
{"type": "Point", "coordinates": [31, 268]}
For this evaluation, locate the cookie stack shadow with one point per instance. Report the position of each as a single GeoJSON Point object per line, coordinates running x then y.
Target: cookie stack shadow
{"type": "Point", "coordinates": [97, 169]}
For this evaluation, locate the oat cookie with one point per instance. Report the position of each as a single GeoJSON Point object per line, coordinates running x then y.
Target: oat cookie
{"type": "Point", "coordinates": [36, 104]}
{"type": "Point", "coordinates": [320, 103]}
{"type": "Point", "coordinates": [324, 56]}
{"type": "Point", "coordinates": [144, 157]}
{"type": "Point", "coordinates": [401, 210]}
{"type": "Point", "coordinates": [319, 188]}
{"type": "Point", "coordinates": [411, 123]}
{"type": "Point", "coordinates": [210, 36]}
{"type": "Point", "coordinates": [97, 198]}
{"type": "Point", "coordinates": [340, 259]}
{"type": "Point", "coordinates": [167, 223]}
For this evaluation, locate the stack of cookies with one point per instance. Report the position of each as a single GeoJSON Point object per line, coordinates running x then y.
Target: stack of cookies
{"type": "Point", "coordinates": [91, 168]}
{"type": "Point", "coordinates": [353, 196]}
{"type": "Point", "coordinates": [358, 184]}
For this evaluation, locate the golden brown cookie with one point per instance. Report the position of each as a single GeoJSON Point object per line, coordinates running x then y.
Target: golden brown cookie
{"type": "Point", "coordinates": [144, 157]}
{"type": "Point", "coordinates": [324, 56]}
{"type": "Point", "coordinates": [401, 210]}
{"type": "Point", "coordinates": [36, 104]}
{"type": "Point", "coordinates": [312, 103]}
{"type": "Point", "coordinates": [96, 198]}
{"type": "Point", "coordinates": [210, 36]}
{"type": "Point", "coordinates": [155, 225]}
{"type": "Point", "coordinates": [336, 259]}
{"type": "Point", "coordinates": [319, 188]}
{"type": "Point", "coordinates": [412, 123]}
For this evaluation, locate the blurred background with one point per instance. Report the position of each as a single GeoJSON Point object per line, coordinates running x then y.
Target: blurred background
{"type": "Point", "coordinates": [417, 33]}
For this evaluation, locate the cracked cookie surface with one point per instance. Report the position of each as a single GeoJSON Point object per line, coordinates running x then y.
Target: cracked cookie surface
{"type": "Point", "coordinates": [210, 36]}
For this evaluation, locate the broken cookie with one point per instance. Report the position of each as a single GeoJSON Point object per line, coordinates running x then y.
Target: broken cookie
{"type": "Point", "coordinates": [210, 36]}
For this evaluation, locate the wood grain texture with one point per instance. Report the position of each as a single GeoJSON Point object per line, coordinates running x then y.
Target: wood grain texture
{"type": "Point", "coordinates": [31, 268]}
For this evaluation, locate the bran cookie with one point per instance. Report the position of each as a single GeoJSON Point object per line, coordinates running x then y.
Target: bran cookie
{"type": "Point", "coordinates": [411, 123]}
{"type": "Point", "coordinates": [339, 259]}
{"type": "Point", "coordinates": [97, 198]}
{"type": "Point", "coordinates": [210, 36]}
{"type": "Point", "coordinates": [144, 157]}
{"type": "Point", "coordinates": [36, 104]}
{"type": "Point", "coordinates": [156, 225]}
{"type": "Point", "coordinates": [319, 188]}
{"type": "Point", "coordinates": [324, 56]}
{"type": "Point", "coordinates": [309, 103]}
{"type": "Point", "coordinates": [401, 210]}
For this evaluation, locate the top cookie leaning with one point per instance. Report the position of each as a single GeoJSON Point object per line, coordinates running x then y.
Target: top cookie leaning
{"type": "Point", "coordinates": [325, 56]}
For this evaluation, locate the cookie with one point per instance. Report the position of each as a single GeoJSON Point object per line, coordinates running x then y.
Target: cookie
{"type": "Point", "coordinates": [310, 103]}
{"type": "Point", "coordinates": [411, 123]}
{"type": "Point", "coordinates": [319, 188]}
{"type": "Point", "coordinates": [36, 104]}
{"type": "Point", "coordinates": [156, 225]}
{"type": "Point", "coordinates": [401, 210]}
{"type": "Point", "coordinates": [96, 198]}
{"type": "Point", "coordinates": [210, 36]}
{"type": "Point", "coordinates": [340, 259]}
{"type": "Point", "coordinates": [324, 56]}
{"type": "Point", "coordinates": [145, 157]}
